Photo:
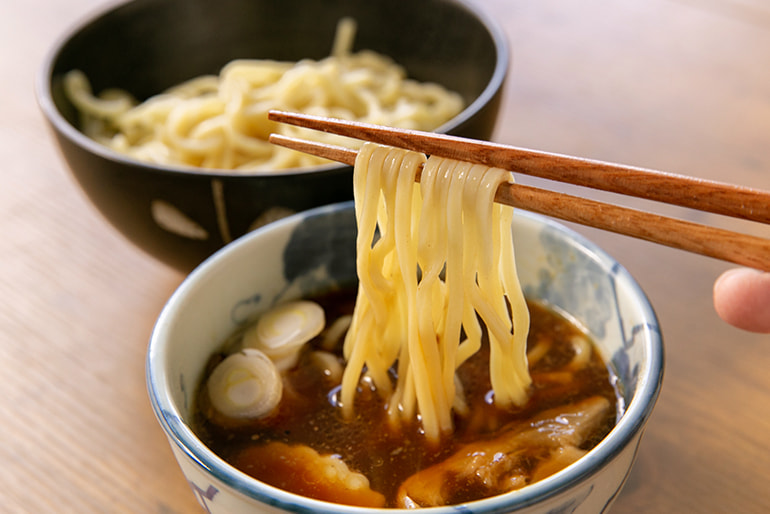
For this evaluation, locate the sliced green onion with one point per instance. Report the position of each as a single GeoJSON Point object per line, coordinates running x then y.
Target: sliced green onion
{"type": "Point", "coordinates": [282, 331]}
{"type": "Point", "coordinates": [245, 385]}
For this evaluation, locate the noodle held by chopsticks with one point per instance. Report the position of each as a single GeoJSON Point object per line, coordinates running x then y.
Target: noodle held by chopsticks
{"type": "Point", "coordinates": [434, 268]}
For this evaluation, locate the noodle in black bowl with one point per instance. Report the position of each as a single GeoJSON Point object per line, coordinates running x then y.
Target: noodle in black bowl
{"type": "Point", "coordinates": [181, 215]}
{"type": "Point", "coordinates": [314, 251]}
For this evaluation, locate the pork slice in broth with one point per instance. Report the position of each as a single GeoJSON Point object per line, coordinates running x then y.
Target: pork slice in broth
{"type": "Point", "coordinates": [523, 452]}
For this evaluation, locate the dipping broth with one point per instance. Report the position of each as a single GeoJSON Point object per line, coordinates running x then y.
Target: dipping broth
{"type": "Point", "coordinates": [524, 444]}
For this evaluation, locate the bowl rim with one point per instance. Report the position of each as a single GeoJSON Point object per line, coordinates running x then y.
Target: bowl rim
{"type": "Point", "coordinates": [44, 95]}
{"type": "Point", "coordinates": [631, 424]}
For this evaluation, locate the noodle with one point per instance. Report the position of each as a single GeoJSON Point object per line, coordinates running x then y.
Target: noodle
{"type": "Point", "coordinates": [444, 255]}
{"type": "Point", "coordinates": [220, 122]}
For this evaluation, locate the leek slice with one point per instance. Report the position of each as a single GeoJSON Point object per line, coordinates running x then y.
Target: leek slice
{"type": "Point", "coordinates": [282, 331]}
{"type": "Point", "coordinates": [245, 385]}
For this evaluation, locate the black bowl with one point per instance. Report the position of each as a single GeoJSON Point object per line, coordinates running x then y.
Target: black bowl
{"type": "Point", "coordinates": [181, 216]}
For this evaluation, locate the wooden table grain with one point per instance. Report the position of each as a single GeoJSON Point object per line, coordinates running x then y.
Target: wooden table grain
{"type": "Point", "coordinates": [676, 85]}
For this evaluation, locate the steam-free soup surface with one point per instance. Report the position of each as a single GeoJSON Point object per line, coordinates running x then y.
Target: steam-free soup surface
{"type": "Point", "coordinates": [564, 384]}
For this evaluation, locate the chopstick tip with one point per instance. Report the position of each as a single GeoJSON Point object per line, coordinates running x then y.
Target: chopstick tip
{"type": "Point", "coordinates": [275, 114]}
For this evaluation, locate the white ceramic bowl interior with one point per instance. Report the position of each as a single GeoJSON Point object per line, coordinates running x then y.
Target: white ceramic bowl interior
{"type": "Point", "coordinates": [313, 251]}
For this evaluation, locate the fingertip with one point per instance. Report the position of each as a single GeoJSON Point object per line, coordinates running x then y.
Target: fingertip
{"type": "Point", "coordinates": [742, 299]}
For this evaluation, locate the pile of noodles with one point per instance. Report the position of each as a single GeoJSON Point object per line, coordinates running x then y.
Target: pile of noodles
{"type": "Point", "coordinates": [220, 122]}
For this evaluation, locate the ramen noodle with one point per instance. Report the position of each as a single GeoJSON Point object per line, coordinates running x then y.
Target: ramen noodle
{"type": "Point", "coordinates": [449, 228]}
{"type": "Point", "coordinates": [220, 121]}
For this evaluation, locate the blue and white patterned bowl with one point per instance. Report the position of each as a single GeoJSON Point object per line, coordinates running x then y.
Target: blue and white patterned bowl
{"type": "Point", "coordinates": [311, 251]}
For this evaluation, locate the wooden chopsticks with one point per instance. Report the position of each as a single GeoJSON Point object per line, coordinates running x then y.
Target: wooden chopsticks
{"type": "Point", "coordinates": [709, 196]}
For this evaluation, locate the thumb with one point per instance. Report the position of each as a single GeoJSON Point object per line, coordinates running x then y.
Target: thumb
{"type": "Point", "coordinates": [742, 299]}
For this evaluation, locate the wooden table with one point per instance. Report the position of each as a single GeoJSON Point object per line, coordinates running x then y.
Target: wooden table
{"type": "Point", "coordinates": [682, 86]}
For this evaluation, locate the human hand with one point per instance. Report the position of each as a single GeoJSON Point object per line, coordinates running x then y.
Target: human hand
{"type": "Point", "coordinates": [742, 299]}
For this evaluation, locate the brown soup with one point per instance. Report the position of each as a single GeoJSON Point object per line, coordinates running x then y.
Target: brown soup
{"type": "Point", "coordinates": [570, 394]}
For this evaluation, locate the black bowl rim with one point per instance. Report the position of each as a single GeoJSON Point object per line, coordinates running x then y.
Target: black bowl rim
{"type": "Point", "coordinates": [44, 95]}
